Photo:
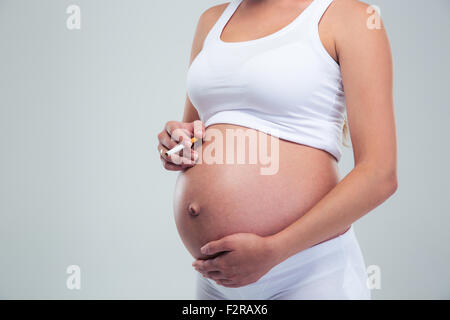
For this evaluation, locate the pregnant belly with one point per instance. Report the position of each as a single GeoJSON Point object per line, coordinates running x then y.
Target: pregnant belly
{"type": "Point", "coordinates": [213, 200]}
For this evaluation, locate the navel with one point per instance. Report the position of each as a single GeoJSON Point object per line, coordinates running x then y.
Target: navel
{"type": "Point", "coordinates": [194, 209]}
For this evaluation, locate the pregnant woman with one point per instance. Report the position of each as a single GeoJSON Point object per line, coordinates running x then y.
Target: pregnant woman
{"type": "Point", "coordinates": [298, 71]}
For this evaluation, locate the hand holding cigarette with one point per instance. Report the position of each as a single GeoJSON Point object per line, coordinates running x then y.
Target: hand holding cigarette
{"type": "Point", "coordinates": [179, 147]}
{"type": "Point", "coordinates": [175, 137]}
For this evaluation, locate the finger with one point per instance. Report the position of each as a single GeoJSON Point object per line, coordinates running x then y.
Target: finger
{"type": "Point", "coordinates": [205, 266]}
{"type": "Point", "coordinates": [175, 158]}
{"type": "Point", "coordinates": [162, 152]}
{"type": "Point", "coordinates": [180, 135]}
{"type": "Point", "coordinates": [195, 128]}
{"type": "Point", "coordinates": [181, 161]}
{"type": "Point", "coordinates": [216, 275]}
{"type": "Point", "coordinates": [199, 129]}
{"type": "Point", "coordinates": [228, 284]}
{"type": "Point", "coordinates": [189, 153]}
{"type": "Point", "coordinates": [225, 281]}
{"type": "Point", "coordinates": [165, 140]}
{"type": "Point", "coordinates": [193, 155]}
{"type": "Point", "coordinates": [170, 166]}
{"type": "Point", "coordinates": [171, 126]}
{"type": "Point", "coordinates": [217, 246]}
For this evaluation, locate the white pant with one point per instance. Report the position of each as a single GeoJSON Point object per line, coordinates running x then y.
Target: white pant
{"type": "Point", "coordinates": [333, 269]}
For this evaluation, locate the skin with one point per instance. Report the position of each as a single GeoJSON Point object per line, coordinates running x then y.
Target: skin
{"type": "Point", "coordinates": [348, 40]}
{"type": "Point", "coordinates": [229, 198]}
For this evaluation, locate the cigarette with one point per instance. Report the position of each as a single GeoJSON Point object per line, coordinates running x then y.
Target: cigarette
{"type": "Point", "coordinates": [178, 147]}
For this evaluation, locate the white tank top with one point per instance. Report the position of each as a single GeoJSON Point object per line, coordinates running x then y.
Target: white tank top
{"type": "Point", "coordinates": [285, 82]}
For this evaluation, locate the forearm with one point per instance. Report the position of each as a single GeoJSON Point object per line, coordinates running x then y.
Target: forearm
{"type": "Point", "coordinates": [363, 189]}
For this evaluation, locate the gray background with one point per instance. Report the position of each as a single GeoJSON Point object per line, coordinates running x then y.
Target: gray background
{"type": "Point", "coordinates": [81, 181]}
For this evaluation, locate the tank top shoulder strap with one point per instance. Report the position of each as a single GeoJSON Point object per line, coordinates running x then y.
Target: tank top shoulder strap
{"type": "Point", "coordinates": [216, 30]}
{"type": "Point", "coordinates": [318, 9]}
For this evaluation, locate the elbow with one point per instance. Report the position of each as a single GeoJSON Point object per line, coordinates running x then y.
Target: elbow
{"type": "Point", "coordinates": [392, 184]}
{"type": "Point", "coordinates": [388, 181]}
{"type": "Point", "coordinates": [383, 179]}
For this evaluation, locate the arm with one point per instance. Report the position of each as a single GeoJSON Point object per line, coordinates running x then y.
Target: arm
{"type": "Point", "coordinates": [206, 21]}
{"type": "Point", "coordinates": [366, 65]}
{"type": "Point", "coordinates": [175, 131]}
{"type": "Point", "coordinates": [190, 113]}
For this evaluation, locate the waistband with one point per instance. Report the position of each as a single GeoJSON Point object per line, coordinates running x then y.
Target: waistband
{"type": "Point", "coordinates": [319, 250]}
{"type": "Point", "coordinates": [317, 262]}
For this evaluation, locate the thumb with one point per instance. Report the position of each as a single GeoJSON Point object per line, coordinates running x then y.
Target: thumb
{"type": "Point", "coordinates": [217, 246]}
{"type": "Point", "coordinates": [196, 128]}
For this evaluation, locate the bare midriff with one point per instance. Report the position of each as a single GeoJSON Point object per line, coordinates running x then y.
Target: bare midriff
{"type": "Point", "coordinates": [213, 200]}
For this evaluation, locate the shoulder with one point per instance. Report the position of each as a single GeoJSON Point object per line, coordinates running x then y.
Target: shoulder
{"type": "Point", "coordinates": [355, 24]}
{"type": "Point", "coordinates": [209, 17]}
{"type": "Point", "coordinates": [349, 16]}
{"type": "Point", "coordinates": [214, 12]}
{"type": "Point", "coordinates": [205, 23]}
{"type": "Point", "coordinates": [350, 8]}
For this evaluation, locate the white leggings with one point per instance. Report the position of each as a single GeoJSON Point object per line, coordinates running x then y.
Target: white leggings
{"type": "Point", "coordinates": [333, 269]}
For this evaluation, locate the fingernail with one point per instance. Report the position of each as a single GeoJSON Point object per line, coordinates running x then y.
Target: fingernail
{"type": "Point", "coordinates": [204, 250]}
